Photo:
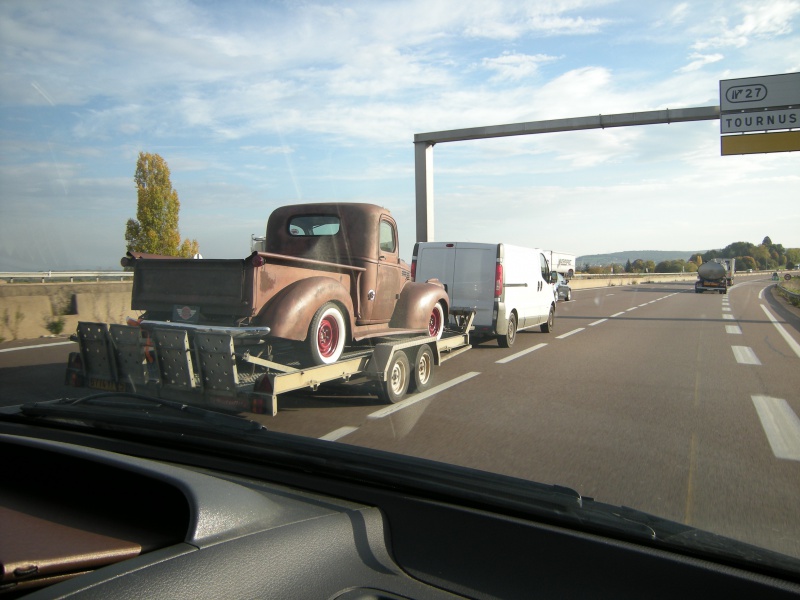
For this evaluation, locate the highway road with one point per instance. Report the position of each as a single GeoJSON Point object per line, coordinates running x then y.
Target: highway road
{"type": "Point", "coordinates": [680, 404]}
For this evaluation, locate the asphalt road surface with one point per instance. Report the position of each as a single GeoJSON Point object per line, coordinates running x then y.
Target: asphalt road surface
{"type": "Point", "coordinates": [680, 404]}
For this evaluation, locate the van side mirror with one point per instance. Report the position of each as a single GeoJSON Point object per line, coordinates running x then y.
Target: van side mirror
{"type": "Point", "coordinates": [553, 276]}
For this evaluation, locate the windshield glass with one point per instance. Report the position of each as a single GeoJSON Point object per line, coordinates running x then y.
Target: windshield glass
{"type": "Point", "coordinates": [646, 152]}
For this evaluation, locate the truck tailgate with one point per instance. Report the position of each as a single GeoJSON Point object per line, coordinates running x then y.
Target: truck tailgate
{"type": "Point", "coordinates": [215, 285]}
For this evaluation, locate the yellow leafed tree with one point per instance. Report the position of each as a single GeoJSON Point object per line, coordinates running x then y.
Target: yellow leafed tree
{"type": "Point", "coordinates": [155, 229]}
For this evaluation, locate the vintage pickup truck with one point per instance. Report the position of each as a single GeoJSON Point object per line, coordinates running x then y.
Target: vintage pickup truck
{"type": "Point", "coordinates": [330, 275]}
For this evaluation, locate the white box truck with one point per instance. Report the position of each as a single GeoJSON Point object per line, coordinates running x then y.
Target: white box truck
{"type": "Point", "coordinates": [510, 287]}
{"type": "Point", "coordinates": [563, 263]}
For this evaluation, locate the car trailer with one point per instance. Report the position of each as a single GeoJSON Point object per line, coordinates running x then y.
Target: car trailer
{"type": "Point", "coordinates": [237, 369]}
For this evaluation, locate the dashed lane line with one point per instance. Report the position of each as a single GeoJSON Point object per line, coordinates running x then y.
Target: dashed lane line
{"type": "Point", "coordinates": [745, 356]}
{"type": "Point", "coordinates": [36, 346]}
{"type": "Point", "coordinates": [785, 334]}
{"type": "Point", "coordinates": [618, 314]}
{"type": "Point", "coordinates": [569, 333]}
{"type": "Point", "coordinates": [735, 329]}
{"type": "Point", "coordinates": [781, 425]}
{"type": "Point", "coordinates": [631, 308]}
{"type": "Point", "coordinates": [726, 316]}
{"type": "Point", "coordinates": [508, 359]}
{"type": "Point", "coordinates": [597, 322]}
{"type": "Point", "coordinates": [385, 412]}
{"type": "Point", "coordinates": [338, 433]}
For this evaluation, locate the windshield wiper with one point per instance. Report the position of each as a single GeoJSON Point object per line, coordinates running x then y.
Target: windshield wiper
{"type": "Point", "coordinates": [136, 410]}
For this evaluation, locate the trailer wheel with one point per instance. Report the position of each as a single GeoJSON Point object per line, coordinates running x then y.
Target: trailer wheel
{"type": "Point", "coordinates": [507, 340]}
{"type": "Point", "coordinates": [436, 322]}
{"type": "Point", "coordinates": [397, 376]}
{"type": "Point", "coordinates": [423, 369]}
{"type": "Point", "coordinates": [547, 327]}
{"type": "Point", "coordinates": [326, 335]}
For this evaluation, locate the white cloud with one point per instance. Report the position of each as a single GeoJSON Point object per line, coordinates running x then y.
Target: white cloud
{"type": "Point", "coordinates": [514, 67]}
{"type": "Point", "coordinates": [762, 20]}
{"type": "Point", "coordinates": [699, 61]}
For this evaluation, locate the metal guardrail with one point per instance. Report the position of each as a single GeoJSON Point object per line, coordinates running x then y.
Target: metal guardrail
{"type": "Point", "coordinates": [71, 276]}
{"type": "Point", "coordinates": [791, 294]}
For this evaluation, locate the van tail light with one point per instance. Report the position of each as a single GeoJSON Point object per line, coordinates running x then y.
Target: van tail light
{"type": "Point", "coordinates": [413, 270]}
{"type": "Point", "coordinates": [257, 260]}
{"type": "Point", "coordinates": [498, 280]}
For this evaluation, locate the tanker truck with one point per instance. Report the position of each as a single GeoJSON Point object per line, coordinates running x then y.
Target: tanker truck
{"type": "Point", "coordinates": [715, 275]}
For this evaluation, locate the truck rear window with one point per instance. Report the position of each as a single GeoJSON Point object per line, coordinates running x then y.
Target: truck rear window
{"type": "Point", "coordinates": [313, 225]}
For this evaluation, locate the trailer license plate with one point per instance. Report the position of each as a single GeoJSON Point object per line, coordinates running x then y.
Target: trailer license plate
{"type": "Point", "coordinates": [105, 385]}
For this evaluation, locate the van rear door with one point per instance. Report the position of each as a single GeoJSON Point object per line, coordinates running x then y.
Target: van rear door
{"type": "Point", "coordinates": [468, 272]}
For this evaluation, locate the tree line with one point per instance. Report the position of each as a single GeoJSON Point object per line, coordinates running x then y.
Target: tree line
{"type": "Point", "coordinates": [765, 256]}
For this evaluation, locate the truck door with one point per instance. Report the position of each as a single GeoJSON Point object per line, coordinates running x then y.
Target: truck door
{"type": "Point", "coordinates": [391, 277]}
{"type": "Point", "coordinates": [547, 293]}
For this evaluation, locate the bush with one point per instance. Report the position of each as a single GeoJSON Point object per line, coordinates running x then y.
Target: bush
{"type": "Point", "coordinates": [55, 325]}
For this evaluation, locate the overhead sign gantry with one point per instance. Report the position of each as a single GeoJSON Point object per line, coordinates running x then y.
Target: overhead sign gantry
{"type": "Point", "coordinates": [748, 105]}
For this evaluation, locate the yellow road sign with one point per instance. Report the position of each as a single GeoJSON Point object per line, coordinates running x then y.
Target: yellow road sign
{"type": "Point", "coordinates": [759, 143]}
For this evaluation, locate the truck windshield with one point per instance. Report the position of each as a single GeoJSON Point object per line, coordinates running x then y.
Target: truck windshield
{"type": "Point", "coordinates": [314, 225]}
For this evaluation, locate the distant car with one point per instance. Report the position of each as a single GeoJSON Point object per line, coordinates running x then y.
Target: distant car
{"type": "Point", "coordinates": [775, 276]}
{"type": "Point", "coordinates": [563, 291]}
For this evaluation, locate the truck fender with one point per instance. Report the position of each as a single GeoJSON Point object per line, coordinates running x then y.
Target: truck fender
{"type": "Point", "coordinates": [413, 308]}
{"type": "Point", "coordinates": [289, 313]}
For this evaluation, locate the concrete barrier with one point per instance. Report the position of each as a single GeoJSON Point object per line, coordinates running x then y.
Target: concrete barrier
{"type": "Point", "coordinates": [26, 309]}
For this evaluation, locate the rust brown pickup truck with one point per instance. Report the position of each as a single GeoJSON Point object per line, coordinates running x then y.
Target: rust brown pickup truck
{"type": "Point", "coordinates": [330, 275]}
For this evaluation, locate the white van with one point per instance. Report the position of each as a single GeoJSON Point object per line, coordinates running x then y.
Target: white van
{"type": "Point", "coordinates": [511, 287]}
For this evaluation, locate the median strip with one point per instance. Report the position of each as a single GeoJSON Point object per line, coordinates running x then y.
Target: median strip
{"type": "Point", "coordinates": [785, 334]}
{"type": "Point", "coordinates": [36, 346]}
{"type": "Point", "coordinates": [385, 412]}
{"type": "Point", "coordinates": [781, 425]}
{"type": "Point", "coordinates": [569, 333]}
{"type": "Point", "coordinates": [745, 356]}
{"type": "Point", "coordinates": [508, 359]}
{"type": "Point", "coordinates": [338, 433]}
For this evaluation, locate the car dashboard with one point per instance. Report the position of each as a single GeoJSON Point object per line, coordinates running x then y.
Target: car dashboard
{"type": "Point", "coordinates": [85, 516]}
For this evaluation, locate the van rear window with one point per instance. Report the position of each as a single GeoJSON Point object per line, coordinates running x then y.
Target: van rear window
{"type": "Point", "coordinates": [314, 225]}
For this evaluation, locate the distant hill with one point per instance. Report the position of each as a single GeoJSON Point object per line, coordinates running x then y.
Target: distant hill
{"type": "Point", "coordinates": [596, 260]}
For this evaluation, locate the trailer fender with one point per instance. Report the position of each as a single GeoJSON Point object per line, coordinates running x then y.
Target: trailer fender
{"type": "Point", "coordinates": [416, 302]}
{"type": "Point", "coordinates": [289, 313]}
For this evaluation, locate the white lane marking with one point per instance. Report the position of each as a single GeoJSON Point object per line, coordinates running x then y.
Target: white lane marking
{"type": "Point", "coordinates": [745, 356]}
{"type": "Point", "coordinates": [338, 433]}
{"type": "Point", "coordinates": [36, 346]}
{"type": "Point", "coordinates": [729, 317]}
{"type": "Point", "coordinates": [785, 334]}
{"type": "Point", "coordinates": [631, 308]}
{"type": "Point", "coordinates": [761, 294]}
{"type": "Point", "coordinates": [781, 425]}
{"type": "Point", "coordinates": [726, 309]}
{"type": "Point", "coordinates": [508, 359]}
{"type": "Point", "coordinates": [569, 333]}
{"type": "Point", "coordinates": [385, 412]}
{"type": "Point", "coordinates": [733, 329]}
{"type": "Point", "coordinates": [607, 295]}
{"type": "Point", "coordinates": [645, 304]}
{"type": "Point", "coordinates": [618, 314]}
{"type": "Point", "coordinates": [597, 322]}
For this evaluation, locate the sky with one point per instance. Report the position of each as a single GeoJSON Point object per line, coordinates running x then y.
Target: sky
{"type": "Point", "coordinates": [258, 104]}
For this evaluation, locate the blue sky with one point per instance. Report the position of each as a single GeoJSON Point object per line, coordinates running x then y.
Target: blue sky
{"type": "Point", "coordinates": [258, 104]}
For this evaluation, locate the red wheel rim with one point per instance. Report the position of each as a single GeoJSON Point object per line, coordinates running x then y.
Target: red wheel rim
{"type": "Point", "coordinates": [327, 336]}
{"type": "Point", "coordinates": [435, 322]}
